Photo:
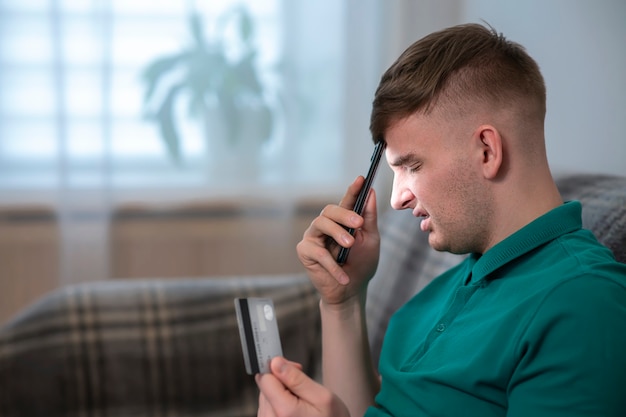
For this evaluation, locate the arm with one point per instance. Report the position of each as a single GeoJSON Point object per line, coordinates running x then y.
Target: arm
{"type": "Point", "coordinates": [349, 375]}
{"type": "Point", "coordinates": [287, 391]}
{"type": "Point", "coordinates": [346, 361]}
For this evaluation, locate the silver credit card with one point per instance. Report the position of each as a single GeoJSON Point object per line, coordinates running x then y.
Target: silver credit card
{"type": "Point", "coordinates": [258, 330]}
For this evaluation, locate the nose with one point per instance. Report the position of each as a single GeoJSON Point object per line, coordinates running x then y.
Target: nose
{"type": "Point", "coordinates": [401, 196]}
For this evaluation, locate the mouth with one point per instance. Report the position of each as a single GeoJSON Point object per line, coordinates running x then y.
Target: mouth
{"type": "Point", "coordinates": [425, 222]}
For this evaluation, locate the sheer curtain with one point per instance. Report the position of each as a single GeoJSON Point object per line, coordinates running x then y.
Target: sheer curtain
{"type": "Point", "coordinates": [78, 135]}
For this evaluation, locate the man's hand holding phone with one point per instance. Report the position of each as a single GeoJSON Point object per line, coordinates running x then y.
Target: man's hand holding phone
{"type": "Point", "coordinates": [340, 226]}
{"type": "Point", "coordinates": [359, 204]}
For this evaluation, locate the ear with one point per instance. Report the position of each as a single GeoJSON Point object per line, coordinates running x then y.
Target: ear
{"type": "Point", "coordinates": [489, 141]}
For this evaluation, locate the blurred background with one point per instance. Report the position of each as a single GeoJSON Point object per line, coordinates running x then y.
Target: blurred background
{"type": "Point", "coordinates": [176, 139]}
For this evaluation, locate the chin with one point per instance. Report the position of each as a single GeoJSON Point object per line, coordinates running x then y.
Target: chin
{"type": "Point", "coordinates": [437, 244]}
{"type": "Point", "coordinates": [444, 246]}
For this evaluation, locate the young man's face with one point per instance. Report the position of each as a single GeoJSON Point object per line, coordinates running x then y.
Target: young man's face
{"type": "Point", "coordinates": [437, 175]}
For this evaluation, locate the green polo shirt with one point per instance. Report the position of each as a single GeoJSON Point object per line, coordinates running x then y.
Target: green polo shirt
{"type": "Point", "coordinates": [534, 327]}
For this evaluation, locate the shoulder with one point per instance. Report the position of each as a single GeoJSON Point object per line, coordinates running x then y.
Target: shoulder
{"type": "Point", "coordinates": [576, 296]}
{"type": "Point", "coordinates": [586, 310]}
{"type": "Point", "coordinates": [580, 277]}
{"type": "Point", "coordinates": [572, 350]}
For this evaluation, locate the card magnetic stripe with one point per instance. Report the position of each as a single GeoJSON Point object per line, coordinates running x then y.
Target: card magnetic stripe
{"type": "Point", "coordinates": [247, 328]}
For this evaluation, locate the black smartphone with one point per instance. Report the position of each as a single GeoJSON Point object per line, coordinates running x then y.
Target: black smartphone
{"type": "Point", "coordinates": [362, 197]}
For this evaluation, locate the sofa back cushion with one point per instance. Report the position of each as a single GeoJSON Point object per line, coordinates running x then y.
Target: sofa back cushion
{"type": "Point", "coordinates": [603, 198]}
{"type": "Point", "coordinates": [147, 348]}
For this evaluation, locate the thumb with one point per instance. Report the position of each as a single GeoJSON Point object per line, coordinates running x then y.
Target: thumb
{"type": "Point", "coordinates": [370, 213]}
{"type": "Point", "coordinates": [312, 395]}
{"type": "Point", "coordinates": [292, 376]}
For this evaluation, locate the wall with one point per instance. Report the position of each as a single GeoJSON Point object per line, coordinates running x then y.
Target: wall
{"type": "Point", "coordinates": [29, 256]}
{"type": "Point", "coordinates": [580, 47]}
{"type": "Point", "coordinates": [189, 241]}
{"type": "Point", "coordinates": [578, 44]}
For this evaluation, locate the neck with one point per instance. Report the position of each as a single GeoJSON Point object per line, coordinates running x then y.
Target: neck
{"type": "Point", "coordinates": [522, 199]}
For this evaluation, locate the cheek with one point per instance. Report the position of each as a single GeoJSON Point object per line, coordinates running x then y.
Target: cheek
{"type": "Point", "coordinates": [458, 194]}
{"type": "Point", "coordinates": [469, 205]}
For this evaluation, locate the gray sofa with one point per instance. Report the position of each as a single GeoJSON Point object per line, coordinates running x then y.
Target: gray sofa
{"type": "Point", "coordinates": [171, 348]}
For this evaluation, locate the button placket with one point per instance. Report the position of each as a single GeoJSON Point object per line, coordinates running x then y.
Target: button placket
{"type": "Point", "coordinates": [462, 296]}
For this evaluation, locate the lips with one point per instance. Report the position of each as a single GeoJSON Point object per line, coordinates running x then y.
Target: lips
{"type": "Point", "coordinates": [425, 223]}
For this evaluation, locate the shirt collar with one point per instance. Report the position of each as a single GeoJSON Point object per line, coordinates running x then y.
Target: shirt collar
{"type": "Point", "coordinates": [561, 220]}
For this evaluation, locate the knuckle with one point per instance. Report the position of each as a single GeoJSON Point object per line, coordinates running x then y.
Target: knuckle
{"type": "Point", "coordinates": [300, 247]}
{"type": "Point", "coordinates": [327, 210]}
{"type": "Point", "coordinates": [320, 253]}
{"type": "Point", "coordinates": [326, 399]}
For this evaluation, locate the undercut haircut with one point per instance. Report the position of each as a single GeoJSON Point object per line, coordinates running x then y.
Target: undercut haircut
{"type": "Point", "coordinates": [458, 68]}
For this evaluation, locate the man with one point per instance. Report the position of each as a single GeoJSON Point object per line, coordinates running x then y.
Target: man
{"type": "Point", "coordinates": [532, 323]}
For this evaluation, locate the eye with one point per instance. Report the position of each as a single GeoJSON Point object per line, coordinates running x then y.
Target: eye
{"type": "Point", "coordinates": [412, 169]}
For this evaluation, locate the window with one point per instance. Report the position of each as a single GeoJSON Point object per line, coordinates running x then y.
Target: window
{"type": "Point", "coordinates": [73, 112]}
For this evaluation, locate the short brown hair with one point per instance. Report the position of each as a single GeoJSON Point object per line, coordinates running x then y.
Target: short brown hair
{"type": "Point", "coordinates": [463, 63]}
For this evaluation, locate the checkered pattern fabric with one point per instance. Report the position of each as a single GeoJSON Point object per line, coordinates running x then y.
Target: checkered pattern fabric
{"type": "Point", "coordinates": [604, 207]}
{"type": "Point", "coordinates": [146, 348]}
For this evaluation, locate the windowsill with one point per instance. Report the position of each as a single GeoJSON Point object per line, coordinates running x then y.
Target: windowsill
{"type": "Point", "coordinates": [97, 200]}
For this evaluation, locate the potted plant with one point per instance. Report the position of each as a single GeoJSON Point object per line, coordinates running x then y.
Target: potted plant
{"type": "Point", "coordinates": [223, 91]}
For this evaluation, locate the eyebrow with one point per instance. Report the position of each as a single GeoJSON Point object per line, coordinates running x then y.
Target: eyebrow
{"type": "Point", "coordinates": [404, 160]}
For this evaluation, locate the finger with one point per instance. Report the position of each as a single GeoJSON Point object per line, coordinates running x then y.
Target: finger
{"type": "Point", "coordinates": [265, 408]}
{"type": "Point", "coordinates": [352, 193]}
{"type": "Point", "coordinates": [297, 381]}
{"type": "Point", "coordinates": [341, 236]}
{"type": "Point", "coordinates": [370, 214]}
{"type": "Point", "coordinates": [333, 221]}
{"type": "Point", "coordinates": [275, 397]}
{"type": "Point", "coordinates": [317, 258]}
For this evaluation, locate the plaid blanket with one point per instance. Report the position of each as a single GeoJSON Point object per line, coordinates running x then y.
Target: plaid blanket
{"type": "Point", "coordinates": [604, 207]}
{"type": "Point", "coordinates": [146, 348]}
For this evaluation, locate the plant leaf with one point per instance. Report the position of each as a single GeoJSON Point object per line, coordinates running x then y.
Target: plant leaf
{"type": "Point", "coordinates": [165, 116]}
{"type": "Point", "coordinates": [246, 25]}
{"type": "Point", "coordinates": [158, 68]}
{"type": "Point", "coordinates": [247, 76]}
{"type": "Point", "coordinates": [196, 27]}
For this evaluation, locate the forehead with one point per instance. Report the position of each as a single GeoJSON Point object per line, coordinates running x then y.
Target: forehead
{"type": "Point", "coordinates": [411, 136]}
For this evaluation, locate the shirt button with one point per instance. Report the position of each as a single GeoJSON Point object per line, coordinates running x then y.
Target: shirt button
{"type": "Point", "coordinates": [441, 327]}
